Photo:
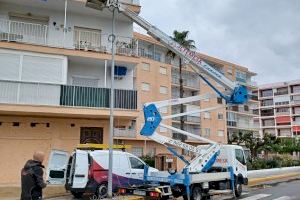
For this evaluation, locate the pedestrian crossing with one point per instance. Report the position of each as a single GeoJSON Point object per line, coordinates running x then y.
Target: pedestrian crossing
{"type": "Point", "coordinates": [265, 196]}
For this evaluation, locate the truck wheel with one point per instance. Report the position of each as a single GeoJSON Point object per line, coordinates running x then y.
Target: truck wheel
{"type": "Point", "coordinates": [102, 191]}
{"type": "Point", "coordinates": [77, 195]}
{"type": "Point", "coordinates": [238, 189]}
{"type": "Point", "coordinates": [196, 193]}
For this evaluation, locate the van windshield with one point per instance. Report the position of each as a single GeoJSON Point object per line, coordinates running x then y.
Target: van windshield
{"type": "Point", "coordinates": [136, 163]}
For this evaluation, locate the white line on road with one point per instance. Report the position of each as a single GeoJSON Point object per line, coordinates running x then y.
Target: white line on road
{"type": "Point", "coordinates": [256, 197]}
{"type": "Point", "coordinates": [283, 198]}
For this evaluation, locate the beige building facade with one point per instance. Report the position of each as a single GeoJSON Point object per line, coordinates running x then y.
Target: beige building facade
{"type": "Point", "coordinates": [55, 80]}
{"type": "Point", "coordinates": [279, 109]}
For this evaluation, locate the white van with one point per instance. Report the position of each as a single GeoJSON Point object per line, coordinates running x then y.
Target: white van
{"type": "Point", "coordinates": [87, 171]}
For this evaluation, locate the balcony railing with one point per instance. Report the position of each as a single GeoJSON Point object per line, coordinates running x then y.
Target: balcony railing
{"type": "Point", "coordinates": [14, 92]}
{"type": "Point", "coordinates": [15, 31]}
{"type": "Point", "coordinates": [231, 123]}
{"type": "Point", "coordinates": [281, 92]}
{"type": "Point", "coordinates": [193, 119]}
{"type": "Point", "coordinates": [186, 82]}
{"type": "Point", "coordinates": [127, 133]}
{"type": "Point", "coordinates": [30, 33]}
{"type": "Point", "coordinates": [97, 97]}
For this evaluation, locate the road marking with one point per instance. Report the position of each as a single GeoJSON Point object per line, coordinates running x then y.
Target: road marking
{"type": "Point", "coordinates": [245, 193]}
{"type": "Point", "coordinates": [256, 197]}
{"type": "Point", "coordinates": [283, 198]}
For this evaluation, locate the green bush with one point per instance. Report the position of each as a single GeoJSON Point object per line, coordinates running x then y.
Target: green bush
{"type": "Point", "coordinates": [149, 160]}
{"type": "Point", "coordinates": [274, 162]}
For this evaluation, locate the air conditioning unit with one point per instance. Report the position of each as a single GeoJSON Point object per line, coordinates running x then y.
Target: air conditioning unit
{"type": "Point", "coordinates": [96, 4]}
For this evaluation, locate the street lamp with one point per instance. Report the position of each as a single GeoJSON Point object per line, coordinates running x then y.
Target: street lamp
{"type": "Point", "coordinates": [99, 5]}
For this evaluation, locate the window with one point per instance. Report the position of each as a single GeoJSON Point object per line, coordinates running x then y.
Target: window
{"type": "Point", "coordinates": [136, 163]}
{"type": "Point", "coordinates": [152, 152]}
{"type": "Point", "coordinates": [220, 116]}
{"type": "Point", "coordinates": [207, 132]}
{"type": "Point", "coordinates": [229, 71]}
{"type": "Point", "coordinates": [85, 81]}
{"type": "Point", "coordinates": [241, 76]}
{"type": "Point", "coordinates": [146, 66]}
{"type": "Point", "coordinates": [206, 115]}
{"type": "Point", "coordinates": [163, 90]}
{"type": "Point", "coordinates": [163, 70]}
{"type": "Point", "coordinates": [239, 155]}
{"type": "Point", "coordinates": [86, 38]}
{"type": "Point", "coordinates": [145, 86]}
{"type": "Point", "coordinates": [220, 133]}
{"type": "Point", "coordinates": [137, 151]}
{"type": "Point", "coordinates": [219, 100]}
{"type": "Point", "coordinates": [163, 109]}
{"type": "Point", "coordinates": [162, 129]}
{"type": "Point", "coordinates": [207, 100]}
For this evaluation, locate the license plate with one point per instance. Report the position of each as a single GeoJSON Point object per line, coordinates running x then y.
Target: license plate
{"type": "Point", "coordinates": [139, 192]}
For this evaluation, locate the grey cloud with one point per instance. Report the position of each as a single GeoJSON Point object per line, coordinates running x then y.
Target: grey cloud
{"type": "Point", "coordinates": [263, 35]}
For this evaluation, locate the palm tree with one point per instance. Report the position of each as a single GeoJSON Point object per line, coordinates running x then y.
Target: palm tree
{"type": "Point", "coordinates": [182, 39]}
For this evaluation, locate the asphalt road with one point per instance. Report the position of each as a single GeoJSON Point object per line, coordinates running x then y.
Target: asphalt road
{"type": "Point", "coordinates": [289, 190]}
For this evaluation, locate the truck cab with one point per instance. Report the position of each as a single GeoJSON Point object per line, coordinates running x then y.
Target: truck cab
{"type": "Point", "coordinates": [233, 156]}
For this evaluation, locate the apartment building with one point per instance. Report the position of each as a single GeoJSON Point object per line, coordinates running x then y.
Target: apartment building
{"type": "Point", "coordinates": [279, 109]}
{"type": "Point", "coordinates": [55, 80]}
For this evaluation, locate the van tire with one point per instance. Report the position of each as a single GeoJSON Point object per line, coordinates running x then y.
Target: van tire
{"type": "Point", "coordinates": [238, 189]}
{"type": "Point", "coordinates": [102, 190]}
{"type": "Point", "coordinates": [77, 195]}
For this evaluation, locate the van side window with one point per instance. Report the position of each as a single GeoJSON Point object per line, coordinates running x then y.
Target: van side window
{"type": "Point", "coordinates": [136, 163]}
{"type": "Point", "coordinates": [240, 156]}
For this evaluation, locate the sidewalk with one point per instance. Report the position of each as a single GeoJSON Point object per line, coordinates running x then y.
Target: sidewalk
{"type": "Point", "coordinates": [12, 192]}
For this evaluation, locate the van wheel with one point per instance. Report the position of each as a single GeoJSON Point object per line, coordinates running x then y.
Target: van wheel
{"type": "Point", "coordinates": [102, 190]}
{"type": "Point", "coordinates": [238, 189]}
{"type": "Point", "coordinates": [77, 195]}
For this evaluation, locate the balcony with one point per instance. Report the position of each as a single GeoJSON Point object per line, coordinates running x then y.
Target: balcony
{"type": "Point", "coordinates": [186, 82]}
{"type": "Point", "coordinates": [83, 39]}
{"type": "Point", "coordinates": [14, 92]}
{"type": "Point", "coordinates": [232, 123]}
{"type": "Point", "coordinates": [266, 93]}
{"type": "Point", "coordinates": [295, 102]}
{"type": "Point", "coordinates": [192, 119]}
{"type": "Point", "coordinates": [126, 133]}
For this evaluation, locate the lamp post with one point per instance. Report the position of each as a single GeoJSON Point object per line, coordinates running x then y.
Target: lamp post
{"type": "Point", "coordinates": [99, 5]}
{"type": "Point", "coordinates": [111, 117]}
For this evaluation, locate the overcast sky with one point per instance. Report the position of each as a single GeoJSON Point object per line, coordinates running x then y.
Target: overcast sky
{"type": "Point", "coordinates": [263, 35]}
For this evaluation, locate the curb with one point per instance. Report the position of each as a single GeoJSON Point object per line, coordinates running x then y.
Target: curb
{"type": "Point", "coordinates": [256, 181]}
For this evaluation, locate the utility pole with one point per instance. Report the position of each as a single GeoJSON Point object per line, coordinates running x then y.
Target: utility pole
{"type": "Point", "coordinates": [112, 91]}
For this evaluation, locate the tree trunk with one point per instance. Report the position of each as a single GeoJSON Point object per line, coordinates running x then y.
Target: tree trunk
{"type": "Point", "coordinates": [181, 93]}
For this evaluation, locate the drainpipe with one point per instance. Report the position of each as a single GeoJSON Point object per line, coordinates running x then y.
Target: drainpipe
{"type": "Point", "coordinates": [105, 72]}
{"type": "Point", "coordinates": [65, 22]}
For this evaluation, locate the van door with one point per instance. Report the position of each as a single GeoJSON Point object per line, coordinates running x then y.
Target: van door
{"type": "Point", "coordinates": [240, 167]}
{"type": "Point", "coordinates": [137, 170]}
{"type": "Point", "coordinates": [80, 177]}
{"type": "Point", "coordinates": [57, 167]}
